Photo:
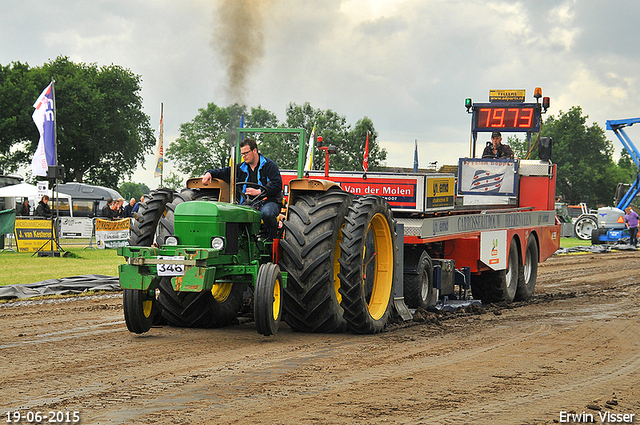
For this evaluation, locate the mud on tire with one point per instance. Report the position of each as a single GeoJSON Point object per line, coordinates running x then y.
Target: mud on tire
{"type": "Point", "coordinates": [310, 252]}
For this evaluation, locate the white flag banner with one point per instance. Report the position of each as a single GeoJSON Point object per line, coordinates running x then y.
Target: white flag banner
{"type": "Point", "coordinates": [43, 117]}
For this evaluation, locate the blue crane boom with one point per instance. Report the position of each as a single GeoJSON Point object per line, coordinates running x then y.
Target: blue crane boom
{"type": "Point", "coordinates": [618, 128]}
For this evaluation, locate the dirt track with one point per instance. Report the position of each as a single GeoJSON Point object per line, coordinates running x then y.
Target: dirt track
{"type": "Point", "coordinates": [574, 347]}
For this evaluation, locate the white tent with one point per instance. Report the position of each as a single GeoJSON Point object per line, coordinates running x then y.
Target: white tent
{"type": "Point", "coordinates": [25, 190]}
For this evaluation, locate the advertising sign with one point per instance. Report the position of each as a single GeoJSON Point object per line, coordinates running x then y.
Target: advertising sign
{"type": "Point", "coordinates": [488, 177]}
{"type": "Point", "coordinates": [33, 234]}
{"type": "Point", "coordinates": [76, 227]}
{"type": "Point", "coordinates": [112, 233]}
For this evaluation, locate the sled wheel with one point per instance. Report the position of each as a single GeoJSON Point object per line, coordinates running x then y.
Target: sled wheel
{"type": "Point", "coordinates": [139, 310]}
{"type": "Point", "coordinates": [267, 301]}
{"type": "Point", "coordinates": [418, 283]}
{"type": "Point", "coordinates": [367, 265]}
{"type": "Point", "coordinates": [527, 283]}
{"type": "Point", "coordinates": [494, 286]}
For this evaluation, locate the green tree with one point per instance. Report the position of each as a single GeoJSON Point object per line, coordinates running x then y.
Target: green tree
{"type": "Point", "coordinates": [203, 142]}
{"type": "Point", "coordinates": [584, 159]}
{"type": "Point", "coordinates": [130, 190]}
{"type": "Point", "coordinates": [102, 133]}
{"type": "Point", "coordinates": [334, 130]}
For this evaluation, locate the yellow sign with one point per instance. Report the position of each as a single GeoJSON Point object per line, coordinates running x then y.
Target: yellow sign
{"type": "Point", "coordinates": [440, 191]}
{"type": "Point", "coordinates": [516, 95]}
{"type": "Point", "coordinates": [112, 225]}
{"type": "Point", "coordinates": [33, 234]}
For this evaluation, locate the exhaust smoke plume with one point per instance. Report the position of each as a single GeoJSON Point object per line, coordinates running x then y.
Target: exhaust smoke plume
{"type": "Point", "coordinates": [239, 40]}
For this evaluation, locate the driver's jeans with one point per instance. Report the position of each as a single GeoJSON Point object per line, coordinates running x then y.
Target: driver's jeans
{"type": "Point", "coordinates": [270, 211]}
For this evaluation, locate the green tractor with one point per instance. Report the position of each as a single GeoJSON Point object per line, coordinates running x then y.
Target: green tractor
{"type": "Point", "coordinates": [194, 257]}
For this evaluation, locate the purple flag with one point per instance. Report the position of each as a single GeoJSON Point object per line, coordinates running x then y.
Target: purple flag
{"type": "Point", "coordinates": [43, 117]}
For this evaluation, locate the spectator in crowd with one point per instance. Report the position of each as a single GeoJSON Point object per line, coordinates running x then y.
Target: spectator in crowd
{"type": "Point", "coordinates": [43, 209]}
{"type": "Point", "coordinates": [107, 211]}
{"type": "Point", "coordinates": [23, 209]}
{"type": "Point", "coordinates": [117, 208]}
{"type": "Point", "coordinates": [135, 209]}
{"type": "Point", "coordinates": [128, 209]}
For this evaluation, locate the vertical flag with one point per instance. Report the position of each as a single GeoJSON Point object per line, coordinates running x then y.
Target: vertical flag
{"type": "Point", "coordinates": [308, 165]}
{"type": "Point", "coordinates": [159, 149]}
{"type": "Point", "coordinates": [365, 160]}
{"type": "Point", "coordinates": [44, 118]}
{"type": "Point", "coordinates": [415, 158]}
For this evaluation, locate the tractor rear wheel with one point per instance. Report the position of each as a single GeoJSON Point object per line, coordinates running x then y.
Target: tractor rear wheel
{"type": "Point", "coordinates": [310, 253]}
{"type": "Point", "coordinates": [145, 220]}
{"type": "Point", "coordinates": [208, 309]}
{"type": "Point", "coordinates": [267, 299]}
{"type": "Point", "coordinates": [139, 310]}
{"type": "Point", "coordinates": [143, 233]}
{"type": "Point", "coordinates": [367, 264]}
{"type": "Point", "coordinates": [527, 280]}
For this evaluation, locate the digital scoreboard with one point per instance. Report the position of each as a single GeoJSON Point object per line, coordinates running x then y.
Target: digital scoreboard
{"type": "Point", "coordinates": [520, 117]}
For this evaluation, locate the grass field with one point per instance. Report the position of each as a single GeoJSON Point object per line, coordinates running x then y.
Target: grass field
{"type": "Point", "coordinates": [25, 268]}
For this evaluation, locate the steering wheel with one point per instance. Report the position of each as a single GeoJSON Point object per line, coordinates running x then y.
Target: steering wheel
{"type": "Point", "coordinates": [250, 199]}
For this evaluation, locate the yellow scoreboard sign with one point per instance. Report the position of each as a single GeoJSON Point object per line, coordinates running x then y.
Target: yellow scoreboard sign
{"type": "Point", "coordinates": [516, 95]}
{"type": "Point", "coordinates": [33, 234]}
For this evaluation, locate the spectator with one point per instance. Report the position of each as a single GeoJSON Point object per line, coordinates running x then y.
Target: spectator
{"type": "Point", "coordinates": [135, 209]}
{"type": "Point", "coordinates": [23, 209]}
{"type": "Point", "coordinates": [117, 208]}
{"type": "Point", "coordinates": [43, 209]}
{"type": "Point", "coordinates": [631, 221]}
{"type": "Point", "coordinates": [128, 209]}
{"type": "Point", "coordinates": [107, 212]}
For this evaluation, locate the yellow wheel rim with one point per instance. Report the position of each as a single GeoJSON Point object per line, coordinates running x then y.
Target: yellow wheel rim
{"type": "Point", "coordinates": [383, 269]}
{"type": "Point", "coordinates": [336, 265]}
{"type": "Point", "coordinates": [221, 291]}
{"type": "Point", "coordinates": [147, 306]}
{"type": "Point", "coordinates": [276, 300]}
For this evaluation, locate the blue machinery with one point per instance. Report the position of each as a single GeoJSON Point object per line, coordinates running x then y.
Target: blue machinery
{"type": "Point", "coordinates": [618, 128]}
{"type": "Point", "coordinates": [610, 225]}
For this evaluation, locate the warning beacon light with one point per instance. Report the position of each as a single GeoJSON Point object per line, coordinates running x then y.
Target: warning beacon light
{"type": "Point", "coordinates": [468, 103]}
{"type": "Point", "coordinates": [546, 102]}
{"type": "Point", "coordinates": [537, 93]}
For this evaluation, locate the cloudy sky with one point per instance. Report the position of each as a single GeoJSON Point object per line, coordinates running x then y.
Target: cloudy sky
{"type": "Point", "coordinates": [406, 64]}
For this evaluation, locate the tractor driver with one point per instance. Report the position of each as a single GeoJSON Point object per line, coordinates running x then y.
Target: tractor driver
{"type": "Point", "coordinates": [256, 169]}
{"type": "Point", "coordinates": [496, 149]}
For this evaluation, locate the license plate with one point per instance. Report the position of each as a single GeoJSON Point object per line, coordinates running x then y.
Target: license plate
{"type": "Point", "coordinates": [170, 269]}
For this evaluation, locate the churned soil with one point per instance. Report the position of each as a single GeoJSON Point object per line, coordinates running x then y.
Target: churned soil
{"type": "Point", "coordinates": [573, 349]}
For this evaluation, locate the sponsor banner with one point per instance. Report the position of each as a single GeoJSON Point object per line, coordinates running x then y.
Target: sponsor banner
{"type": "Point", "coordinates": [488, 177]}
{"type": "Point", "coordinates": [444, 226]}
{"type": "Point", "coordinates": [76, 227]}
{"type": "Point", "coordinates": [112, 234]}
{"type": "Point", "coordinates": [33, 234]}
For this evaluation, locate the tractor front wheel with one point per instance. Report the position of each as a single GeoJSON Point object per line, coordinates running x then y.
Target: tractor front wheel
{"type": "Point", "coordinates": [267, 301]}
{"type": "Point", "coordinates": [139, 310]}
